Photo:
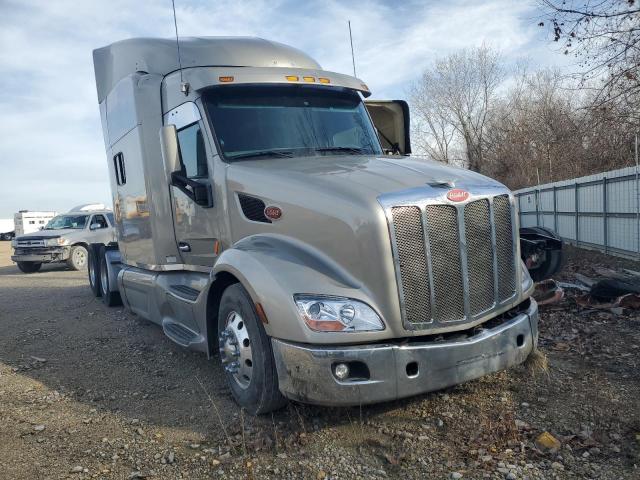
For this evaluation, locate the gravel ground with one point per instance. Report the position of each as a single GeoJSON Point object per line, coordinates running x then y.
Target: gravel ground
{"type": "Point", "coordinates": [92, 392]}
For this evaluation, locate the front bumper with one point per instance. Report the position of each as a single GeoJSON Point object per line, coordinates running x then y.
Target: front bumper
{"type": "Point", "coordinates": [305, 372]}
{"type": "Point", "coordinates": [41, 254]}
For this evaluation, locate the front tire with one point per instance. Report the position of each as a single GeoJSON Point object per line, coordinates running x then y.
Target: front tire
{"type": "Point", "coordinates": [78, 258]}
{"type": "Point", "coordinates": [29, 267]}
{"type": "Point", "coordinates": [109, 298]}
{"type": "Point", "coordinates": [246, 354]}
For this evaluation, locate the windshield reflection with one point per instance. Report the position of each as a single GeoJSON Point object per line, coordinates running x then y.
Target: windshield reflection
{"type": "Point", "coordinates": [283, 121]}
{"type": "Point", "coordinates": [61, 222]}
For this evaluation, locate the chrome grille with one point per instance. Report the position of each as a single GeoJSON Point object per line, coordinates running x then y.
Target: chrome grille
{"type": "Point", "coordinates": [454, 263]}
{"type": "Point", "coordinates": [504, 247]}
{"type": "Point", "coordinates": [412, 261]}
{"type": "Point", "coordinates": [444, 244]}
{"type": "Point", "coordinates": [477, 229]}
{"type": "Point", "coordinates": [30, 243]}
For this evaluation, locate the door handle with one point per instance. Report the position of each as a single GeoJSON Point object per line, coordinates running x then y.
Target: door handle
{"type": "Point", "coordinates": [184, 247]}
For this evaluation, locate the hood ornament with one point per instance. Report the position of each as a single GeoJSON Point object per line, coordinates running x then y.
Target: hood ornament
{"type": "Point", "coordinates": [442, 184]}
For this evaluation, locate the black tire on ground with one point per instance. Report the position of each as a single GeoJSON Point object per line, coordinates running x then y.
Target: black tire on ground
{"type": "Point", "coordinates": [553, 261]}
{"type": "Point", "coordinates": [78, 257]}
{"type": "Point", "coordinates": [29, 267]}
{"type": "Point", "coordinates": [109, 298]}
{"type": "Point", "coordinates": [93, 268]}
{"type": "Point", "coordinates": [261, 395]}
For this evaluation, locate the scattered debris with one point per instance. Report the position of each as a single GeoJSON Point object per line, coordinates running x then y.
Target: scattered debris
{"type": "Point", "coordinates": [548, 292]}
{"type": "Point", "coordinates": [609, 289]}
{"type": "Point", "coordinates": [573, 286]}
{"type": "Point", "coordinates": [546, 442]}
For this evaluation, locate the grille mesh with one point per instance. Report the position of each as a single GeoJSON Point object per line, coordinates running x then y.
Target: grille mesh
{"type": "Point", "coordinates": [409, 237]}
{"type": "Point", "coordinates": [504, 247]}
{"type": "Point", "coordinates": [479, 256]}
{"type": "Point", "coordinates": [437, 273]}
{"type": "Point", "coordinates": [444, 244]}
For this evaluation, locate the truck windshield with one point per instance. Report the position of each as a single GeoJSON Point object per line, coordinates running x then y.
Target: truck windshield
{"type": "Point", "coordinates": [67, 221]}
{"type": "Point", "coordinates": [274, 121]}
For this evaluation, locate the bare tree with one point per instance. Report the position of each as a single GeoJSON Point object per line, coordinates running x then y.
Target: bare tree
{"type": "Point", "coordinates": [452, 102]}
{"type": "Point", "coordinates": [605, 36]}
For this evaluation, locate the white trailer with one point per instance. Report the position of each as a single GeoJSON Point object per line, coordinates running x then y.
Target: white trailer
{"type": "Point", "coordinates": [28, 222]}
{"type": "Point", "coordinates": [7, 230]}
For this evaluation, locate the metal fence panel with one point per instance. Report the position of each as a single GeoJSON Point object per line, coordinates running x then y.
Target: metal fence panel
{"type": "Point", "coordinates": [607, 216]}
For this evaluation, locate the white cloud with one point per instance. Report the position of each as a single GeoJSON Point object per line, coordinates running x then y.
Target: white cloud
{"type": "Point", "coordinates": [51, 148]}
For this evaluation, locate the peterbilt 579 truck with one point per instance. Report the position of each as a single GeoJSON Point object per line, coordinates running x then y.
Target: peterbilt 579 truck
{"type": "Point", "coordinates": [267, 215]}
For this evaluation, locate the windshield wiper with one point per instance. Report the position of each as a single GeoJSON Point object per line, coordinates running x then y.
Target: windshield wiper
{"type": "Point", "coordinates": [263, 153]}
{"type": "Point", "coordinates": [340, 149]}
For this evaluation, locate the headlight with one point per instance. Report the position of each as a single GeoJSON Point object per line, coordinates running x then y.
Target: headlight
{"type": "Point", "coordinates": [56, 241]}
{"type": "Point", "coordinates": [337, 314]}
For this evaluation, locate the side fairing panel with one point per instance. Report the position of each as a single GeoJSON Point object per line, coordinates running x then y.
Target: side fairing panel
{"type": "Point", "coordinates": [131, 116]}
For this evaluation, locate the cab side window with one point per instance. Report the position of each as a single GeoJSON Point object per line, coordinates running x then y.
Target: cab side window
{"type": "Point", "coordinates": [192, 151]}
{"type": "Point", "coordinates": [99, 221]}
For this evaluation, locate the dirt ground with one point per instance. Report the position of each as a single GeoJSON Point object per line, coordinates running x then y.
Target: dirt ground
{"type": "Point", "coordinates": [92, 392]}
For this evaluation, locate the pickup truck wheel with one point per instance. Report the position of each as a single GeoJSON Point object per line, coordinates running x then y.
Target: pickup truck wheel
{"type": "Point", "coordinates": [246, 355]}
{"type": "Point", "coordinates": [29, 267]}
{"type": "Point", "coordinates": [109, 298]}
{"type": "Point", "coordinates": [94, 271]}
{"type": "Point", "coordinates": [78, 258]}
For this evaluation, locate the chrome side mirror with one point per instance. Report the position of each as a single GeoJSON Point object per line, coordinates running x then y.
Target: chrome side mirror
{"type": "Point", "coordinates": [170, 152]}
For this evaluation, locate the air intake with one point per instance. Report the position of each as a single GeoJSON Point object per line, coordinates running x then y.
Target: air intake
{"type": "Point", "coordinates": [253, 208]}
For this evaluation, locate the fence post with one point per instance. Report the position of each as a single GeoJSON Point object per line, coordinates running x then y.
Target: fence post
{"type": "Point", "coordinates": [555, 210]}
{"type": "Point", "coordinates": [577, 210]}
{"type": "Point", "coordinates": [605, 218]}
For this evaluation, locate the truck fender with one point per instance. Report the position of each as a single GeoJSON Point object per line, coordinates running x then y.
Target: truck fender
{"type": "Point", "coordinates": [272, 268]}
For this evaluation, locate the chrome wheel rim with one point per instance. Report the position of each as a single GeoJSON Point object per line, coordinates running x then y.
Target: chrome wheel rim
{"type": "Point", "coordinates": [235, 350]}
{"type": "Point", "coordinates": [79, 257]}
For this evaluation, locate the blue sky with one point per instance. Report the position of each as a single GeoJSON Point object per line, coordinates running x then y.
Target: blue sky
{"type": "Point", "coordinates": [51, 149]}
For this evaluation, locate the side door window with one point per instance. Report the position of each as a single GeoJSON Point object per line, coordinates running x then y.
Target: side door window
{"type": "Point", "coordinates": [98, 222]}
{"type": "Point", "coordinates": [193, 156]}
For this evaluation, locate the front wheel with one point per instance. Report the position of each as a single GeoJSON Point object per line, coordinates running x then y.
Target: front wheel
{"type": "Point", "coordinates": [29, 267]}
{"type": "Point", "coordinates": [78, 257]}
{"type": "Point", "coordinates": [246, 354]}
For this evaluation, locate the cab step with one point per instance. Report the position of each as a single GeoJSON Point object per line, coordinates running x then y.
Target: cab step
{"type": "Point", "coordinates": [184, 292]}
{"type": "Point", "coordinates": [181, 334]}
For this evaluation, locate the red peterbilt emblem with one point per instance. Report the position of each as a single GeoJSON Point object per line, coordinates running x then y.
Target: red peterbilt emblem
{"type": "Point", "coordinates": [457, 195]}
{"type": "Point", "coordinates": [274, 213]}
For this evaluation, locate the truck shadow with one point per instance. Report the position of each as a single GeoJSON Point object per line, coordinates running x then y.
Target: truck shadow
{"type": "Point", "coordinates": [53, 267]}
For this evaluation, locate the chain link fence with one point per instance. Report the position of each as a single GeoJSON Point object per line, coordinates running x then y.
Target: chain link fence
{"type": "Point", "coordinates": [600, 211]}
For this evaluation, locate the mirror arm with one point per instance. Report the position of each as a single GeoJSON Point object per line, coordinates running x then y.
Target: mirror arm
{"type": "Point", "coordinates": [199, 192]}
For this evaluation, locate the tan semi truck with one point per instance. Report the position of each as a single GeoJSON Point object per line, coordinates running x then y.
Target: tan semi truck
{"type": "Point", "coordinates": [267, 216]}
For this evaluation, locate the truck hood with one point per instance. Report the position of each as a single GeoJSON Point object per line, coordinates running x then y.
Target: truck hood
{"type": "Point", "coordinates": [356, 176]}
{"type": "Point", "coordinates": [48, 233]}
{"type": "Point", "coordinates": [331, 208]}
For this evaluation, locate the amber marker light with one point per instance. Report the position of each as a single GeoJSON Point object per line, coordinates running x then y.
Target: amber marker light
{"type": "Point", "coordinates": [261, 314]}
{"type": "Point", "coordinates": [309, 79]}
{"type": "Point", "coordinates": [225, 79]}
{"type": "Point", "coordinates": [324, 80]}
{"type": "Point", "coordinates": [292, 78]}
